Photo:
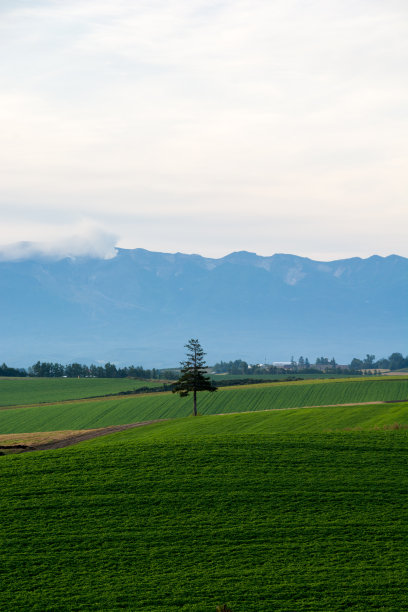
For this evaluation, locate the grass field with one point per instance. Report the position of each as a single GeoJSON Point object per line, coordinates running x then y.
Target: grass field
{"type": "Point", "coordinates": [186, 520]}
{"type": "Point", "coordinates": [282, 377]}
{"type": "Point", "coordinates": [26, 391]}
{"type": "Point", "coordinates": [287, 510]}
{"type": "Point", "coordinates": [20, 391]}
{"type": "Point", "coordinates": [117, 411]}
{"type": "Point", "coordinates": [303, 420]}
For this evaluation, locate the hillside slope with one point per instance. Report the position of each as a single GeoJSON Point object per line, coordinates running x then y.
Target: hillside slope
{"type": "Point", "coordinates": [261, 523]}
{"type": "Point", "coordinates": [103, 413]}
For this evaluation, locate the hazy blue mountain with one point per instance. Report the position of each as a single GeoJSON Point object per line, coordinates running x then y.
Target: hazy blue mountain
{"type": "Point", "coordinates": [141, 307]}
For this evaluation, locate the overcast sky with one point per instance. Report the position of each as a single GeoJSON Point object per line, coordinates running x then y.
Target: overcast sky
{"type": "Point", "coordinates": [205, 126]}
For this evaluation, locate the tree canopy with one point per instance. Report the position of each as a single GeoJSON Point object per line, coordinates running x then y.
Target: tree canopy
{"type": "Point", "coordinates": [193, 373]}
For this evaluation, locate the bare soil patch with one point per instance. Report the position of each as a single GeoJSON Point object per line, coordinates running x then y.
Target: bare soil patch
{"type": "Point", "coordinates": [51, 440]}
{"type": "Point", "coordinates": [394, 373]}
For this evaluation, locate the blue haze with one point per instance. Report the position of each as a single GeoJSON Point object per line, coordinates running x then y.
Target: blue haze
{"type": "Point", "coordinates": [141, 307]}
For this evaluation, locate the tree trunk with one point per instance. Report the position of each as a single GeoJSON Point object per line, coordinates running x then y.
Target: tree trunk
{"type": "Point", "coordinates": [195, 402]}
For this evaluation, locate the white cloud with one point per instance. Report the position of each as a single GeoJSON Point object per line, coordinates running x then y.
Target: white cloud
{"type": "Point", "coordinates": [242, 109]}
{"type": "Point", "coordinates": [85, 240]}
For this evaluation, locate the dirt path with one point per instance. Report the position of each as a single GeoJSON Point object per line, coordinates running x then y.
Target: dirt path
{"type": "Point", "coordinates": [72, 437]}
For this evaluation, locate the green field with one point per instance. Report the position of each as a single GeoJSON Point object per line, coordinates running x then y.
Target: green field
{"type": "Point", "coordinates": [288, 510]}
{"type": "Point", "coordinates": [323, 420]}
{"type": "Point", "coordinates": [282, 377]}
{"type": "Point", "coordinates": [283, 522]}
{"type": "Point", "coordinates": [21, 391]}
{"type": "Point", "coordinates": [26, 391]}
{"type": "Point", "coordinates": [117, 411]}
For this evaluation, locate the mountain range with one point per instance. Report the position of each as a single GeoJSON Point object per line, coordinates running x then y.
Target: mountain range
{"type": "Point", "coordinates": [141, 307]}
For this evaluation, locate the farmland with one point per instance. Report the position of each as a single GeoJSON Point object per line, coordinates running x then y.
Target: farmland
{"type": "Point", "coordinates": [20, 391]}
{"type": "Point", "coordinates": [262, 522]}
{"type": "Point", "coordinates": [281, 377]}
{"type": "Point", "coordinates": [300, 420]}
{"type": "Point", "coordinates": [264, 510]}
{"type": "Point", "coordinates": [303, 420]}
{"type": "Point", "coordinates": [116, 411]}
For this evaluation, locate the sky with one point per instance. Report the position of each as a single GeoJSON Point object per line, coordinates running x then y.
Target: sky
{"type": "Point", "coordinates": [204, 127]}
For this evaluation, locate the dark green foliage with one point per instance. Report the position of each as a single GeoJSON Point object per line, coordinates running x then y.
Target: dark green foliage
{"type": "Point", "coordinates": [264, 523]}
{"type": "Point", "coordinates": [5, 370]}
{"type": "Point", "coordinates": [45, 369]}
{"type": "Point", "coordinates": [396, 361]}
{"type": "Point", "coordinates": [232, 367]}
{"type": "Point", "coordinates": [193, 374]}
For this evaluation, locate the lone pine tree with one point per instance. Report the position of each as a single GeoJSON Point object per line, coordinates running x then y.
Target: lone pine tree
{"type": "Point", "coordinates": [193, 372]}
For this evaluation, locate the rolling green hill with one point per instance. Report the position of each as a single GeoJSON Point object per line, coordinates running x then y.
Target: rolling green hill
{"type": "Point", "coordinates": [21, 391]}
{"type": "Point", "coordinates": [303, 420]}
{"type": "Point", "coordinates": [117, 411]}
{"type": "Point", "coordinates": [260, 522]}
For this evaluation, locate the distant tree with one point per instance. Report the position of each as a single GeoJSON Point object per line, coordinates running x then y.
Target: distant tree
{"type": "Point", "coordinates": [368, 362]}
{"type": "Point", "coordinates": [192, 378]}
{"type": "Point", "coordinates": [74, 370]}
{"type": "Point", "coordinates": [382, 364]}
{"type": "Point", "coordinates": [46, 369]}
{"type": "Point", "coordinates": [307, 363]}
{"type": "Point", "coordinates": [356, 364]}
{"type": "Point", "coordinates": [397, 361]}
{"type": "Point", "coordinates": [231, 367]}
{"type": "Point", "coordinates": [5, 370]}
{"type": "Point", "coordinates": [301, 363]}
{"type": "Point", "coordinates": [168, 374]}
{"type": "Point", "coordinates": [110, 370]}
{"type": "Point", "coordinates": [96, 371]}
{"type": "Point", "coordinates": [58, 370]}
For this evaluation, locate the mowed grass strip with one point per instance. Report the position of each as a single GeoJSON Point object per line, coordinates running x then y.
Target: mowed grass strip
{"type": "Point", "coordinates": [303, 420]}
{"type": "Point", "coordinates": [117, 411]}
{"type": "Point", "coordinates": [21, 391]}
{"type": "Point", "coordinates": [260, 522]}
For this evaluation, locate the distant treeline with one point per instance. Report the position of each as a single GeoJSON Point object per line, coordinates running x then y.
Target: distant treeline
{"type": "Point", "coordinates": [395, 361]}
{"type": "Point", "coordinates": [303, 366]}
{"type": "Point", "coordinates": [6, 371]}
{"type": "Point", "coordinates": [74, 370]}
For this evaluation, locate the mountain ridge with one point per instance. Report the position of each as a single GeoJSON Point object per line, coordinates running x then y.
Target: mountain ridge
{"type": "Point", "coordinates": [141, 306]}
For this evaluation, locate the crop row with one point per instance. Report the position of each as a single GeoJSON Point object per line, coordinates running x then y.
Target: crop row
{"type": "Point", "coordinates": [260, 523]}
{"type": "Point", "coordinates": [22, 391]}
{"type": "Point", "coordinates": [113, 411]}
